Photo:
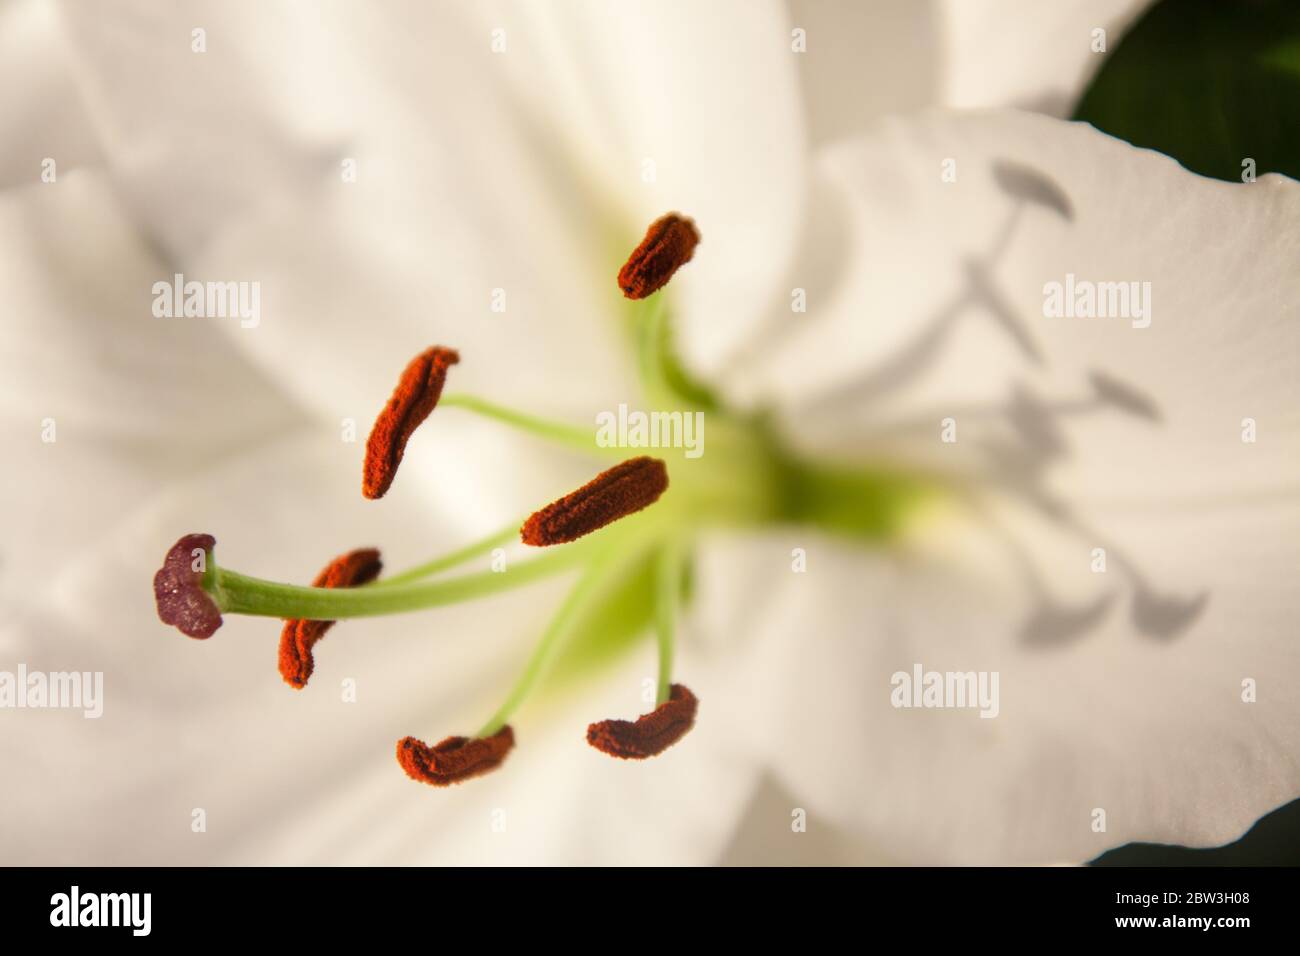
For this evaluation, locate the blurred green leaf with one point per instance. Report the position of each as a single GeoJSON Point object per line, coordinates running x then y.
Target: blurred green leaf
{"type": "Point", "coordinates": [1208, 82]}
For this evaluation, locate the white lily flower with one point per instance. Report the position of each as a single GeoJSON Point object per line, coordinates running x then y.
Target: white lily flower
{"type": "Point", "coordinates": [532, 171]}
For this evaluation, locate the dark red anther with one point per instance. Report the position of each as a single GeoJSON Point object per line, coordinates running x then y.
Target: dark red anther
{"type": "Point", "coordinates": [668, 245]}
{"type": "Point", "coordinates": [650, 734]}
{"type": "Point", "coordinates": [299, 636]}
{"type": "Point", "coordinates": [454, 759]}
{"type": "Point", "coordinates": [622, 490]}
{"type": "Point", "coordinates": [415, 396]}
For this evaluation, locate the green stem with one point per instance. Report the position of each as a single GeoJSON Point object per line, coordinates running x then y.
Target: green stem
{"type": "Point", "coordinates": [460, 556]}
{"type": "Point", "coordinates": [668, 586]}
{"type": "Point", "coordinates": [237, 593]}
{"type": "Point", "coordinates": [573, 436]}
{"type": "Point", "coordinates": [598, 574]}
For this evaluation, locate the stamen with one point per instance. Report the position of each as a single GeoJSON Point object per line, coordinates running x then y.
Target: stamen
{"type": "Point", "coordinates": [561, 433]}
{"type": "Point", "coordinates": [651, 734]}
{"type": "Point", "coordinates": [454, 759]}
{"type": "Point", "coordinates": [624, 489]}
{"type": "Point", "coordinates": [668, 586]}
{"type": "Point", "coordinates": [412, 400]}
{"type": "Point", "coordinates": [299, 636]}
{"type": "Point", "coordinates": [178, 587]}
{"type": "Point", "coordinates": [599, 572]}
{"type": "Point", "coordinates": [668, 245]}
{"type": "Point", "coordinates": [452, 559]}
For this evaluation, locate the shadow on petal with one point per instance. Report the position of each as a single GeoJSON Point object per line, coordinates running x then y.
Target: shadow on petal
{"type": "Point", "coordinates": [1123, 396]}
{"type": "Point", "coordinates": [1056, 625]}
{"type": "Point", "coordinates": [1027, 184]}
{"type": "Point", "coordinates": [1165, 617]}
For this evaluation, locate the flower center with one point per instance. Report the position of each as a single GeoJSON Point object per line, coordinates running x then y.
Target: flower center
{"type": "Point", "coordinates": [631, 532]}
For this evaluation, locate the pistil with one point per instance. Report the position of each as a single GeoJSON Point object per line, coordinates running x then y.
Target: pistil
{"type": "Point", "coordinates": [236, 593]}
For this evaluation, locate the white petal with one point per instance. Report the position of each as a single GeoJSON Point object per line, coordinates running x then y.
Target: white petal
{"type": "Point", "coordinates": [864, 61]}
{"type": "Point", "coordinates": [1038, 56]}
{"type": "Point", "coordinates": [454, 194]}
{"type": "Point", "coordinates": [41, 111]}
{"type": "Point", "coordinates": [1154, 732]}
{"type": "Point", "coordinates": [198, 137]}
{"type": "Point", "coordinates": [1073, 434]}
{"type": "Point", "coordinates": [517, 172]}
{"type": "Point", "coordinates": [939, 312]}
{"type": "Point", "coordinates": [103, 403]}
{"type": "Point", "coordinates": [708, 94]}
{"type": "Point", "coordinates": [775, 831]}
